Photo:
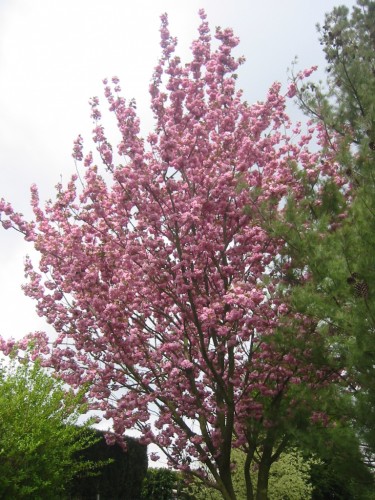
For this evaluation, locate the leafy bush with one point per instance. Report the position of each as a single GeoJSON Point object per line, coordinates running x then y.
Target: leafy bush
{"type": "Point", "coordinates": [39, 438]}
{"type": "Point", "coordinates": [289, 479]}
{"type": "Point", "coordinates": [159, 484]}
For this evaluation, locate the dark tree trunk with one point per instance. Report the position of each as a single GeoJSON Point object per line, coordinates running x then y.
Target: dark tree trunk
{"type": "Point", "coordinates": [248, 481]}
{"type": "Point", "coordinates": [225, 474]}
{"type": "Point", "coordinates": [263, 475]}
{"type": "Point", "coordinates": [265, 465]}
{"type": "Point", "coordinates": [229, 493]}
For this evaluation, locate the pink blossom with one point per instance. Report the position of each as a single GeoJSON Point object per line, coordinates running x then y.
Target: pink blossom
{"type": "Point", "coordinates": [292, 90]}
{"type": "Point", "coordinates": [308, 72]}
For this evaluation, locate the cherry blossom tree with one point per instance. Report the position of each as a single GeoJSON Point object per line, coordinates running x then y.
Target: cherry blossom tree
{"type": "Point", "coordinates": [160, 275]}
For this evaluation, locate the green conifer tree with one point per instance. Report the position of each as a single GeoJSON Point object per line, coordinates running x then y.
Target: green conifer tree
{"type": "Point", "coordinates": [337, 251]}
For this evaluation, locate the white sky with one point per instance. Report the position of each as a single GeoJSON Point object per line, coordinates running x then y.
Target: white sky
{"type": "Point", "coordinates": [53, 57]}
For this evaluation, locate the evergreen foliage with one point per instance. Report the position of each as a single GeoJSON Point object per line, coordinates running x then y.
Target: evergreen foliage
{"type": "Point", "coordinates": [337, 469]}
{"type": "Point", "coordinates": [338, 251]}
{"type": "Point", "coordinates": [122, 475]}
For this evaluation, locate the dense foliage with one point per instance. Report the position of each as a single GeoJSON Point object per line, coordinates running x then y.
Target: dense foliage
{"type": "Point", "coordinates": [38, 438]}
{"type": "Point", "coordinates": [160, 484]}
{"type": "Point", "coordinates": [340, 257]}
{"type": "Point", "coordinates": [289, 478]}
{"type": "Point", "coordinates": [120, 477]}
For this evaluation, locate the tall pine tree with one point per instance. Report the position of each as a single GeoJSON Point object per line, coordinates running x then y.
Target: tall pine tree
{"type": "Point", "coordinates": [337, 252]}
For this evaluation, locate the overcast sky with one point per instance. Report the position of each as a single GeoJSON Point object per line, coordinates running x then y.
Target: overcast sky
{"type": "Point", "coordinates": [53, 57]}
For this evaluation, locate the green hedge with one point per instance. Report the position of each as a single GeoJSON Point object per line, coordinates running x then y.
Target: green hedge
{"type": "Point", "coordinates": [122, 478]}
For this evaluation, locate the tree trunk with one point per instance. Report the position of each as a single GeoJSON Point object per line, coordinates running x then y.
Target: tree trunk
{"type": "Point", "coordinates": [248, 481]}
{"type": "Point", "coordinates": [262, 485]}
{"type": "Point", "coordinates": [265, 465]}
{"type": "Point", "coordinates": [227, 485]}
